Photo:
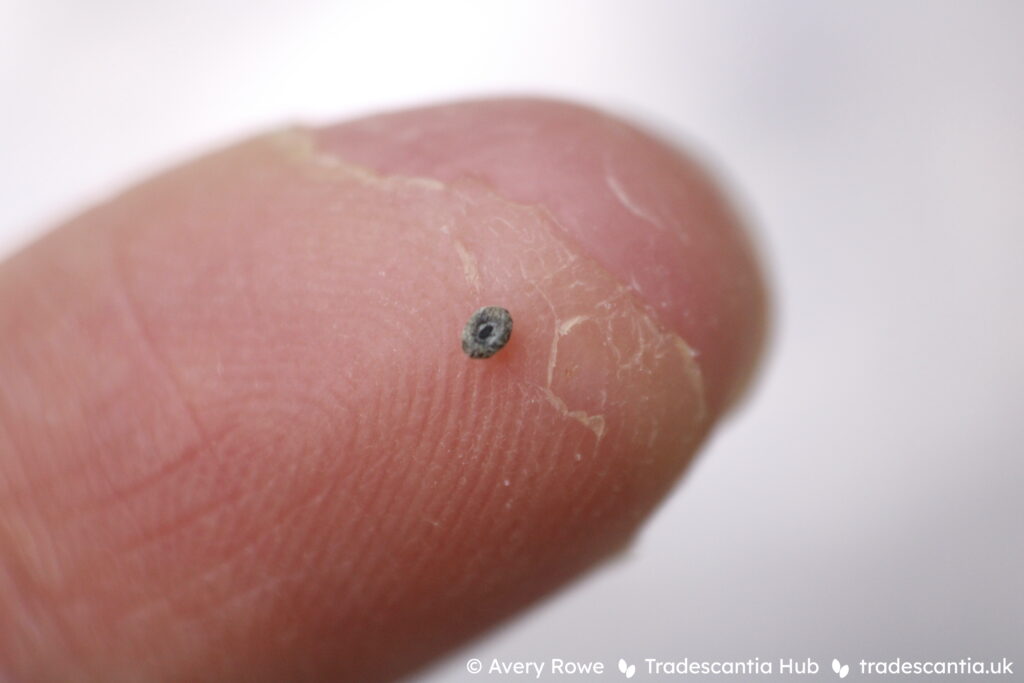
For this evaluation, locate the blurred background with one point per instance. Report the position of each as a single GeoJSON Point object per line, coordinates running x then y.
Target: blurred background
{"type": "Point", "coordinates": [866, 501]}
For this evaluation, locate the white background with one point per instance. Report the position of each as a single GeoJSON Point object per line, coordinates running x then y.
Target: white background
{"type": "Point", "coordinates": [866, 501]}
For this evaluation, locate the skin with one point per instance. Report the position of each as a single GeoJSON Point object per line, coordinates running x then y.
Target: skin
{"type": "Point", "coordinates": [239, 439]}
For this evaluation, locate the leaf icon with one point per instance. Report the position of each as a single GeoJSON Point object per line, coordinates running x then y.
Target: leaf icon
{"type": "Point", "coordinates": [622, 666]}
{"type": "Point", "coordinates": [631, 670]}
{"type": "Point", "coordinates": [845, 670]}
{"type": "Point", "coordinates": [835, 665]}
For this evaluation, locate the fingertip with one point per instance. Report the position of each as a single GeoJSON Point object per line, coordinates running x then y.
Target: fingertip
{"type": "Point", "coordinates": [639, 206]}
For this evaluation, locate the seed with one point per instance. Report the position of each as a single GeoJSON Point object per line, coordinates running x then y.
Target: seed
{"type": "Point", "coordinates": [486, 332]}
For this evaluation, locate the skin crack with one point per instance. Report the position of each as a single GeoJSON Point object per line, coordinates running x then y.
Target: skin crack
{"type": "Point", "coordinates": [469, 267]}
{"type": "Point", "coordinates": [627, 202]}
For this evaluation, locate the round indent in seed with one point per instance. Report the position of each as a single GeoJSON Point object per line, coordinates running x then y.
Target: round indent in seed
{"type": "Point", "coordinates": [486, 332]}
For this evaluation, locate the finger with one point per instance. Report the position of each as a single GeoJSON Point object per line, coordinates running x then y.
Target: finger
{"type": "Point", "coordinates": [240, 439]}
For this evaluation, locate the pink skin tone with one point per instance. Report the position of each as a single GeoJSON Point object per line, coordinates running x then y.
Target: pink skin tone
{"type": "Point", "coordinates": [239, 439]}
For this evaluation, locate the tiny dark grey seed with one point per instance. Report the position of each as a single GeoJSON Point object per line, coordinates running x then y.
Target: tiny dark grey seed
{"type": "Point", "coordinates": [486, 332]}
